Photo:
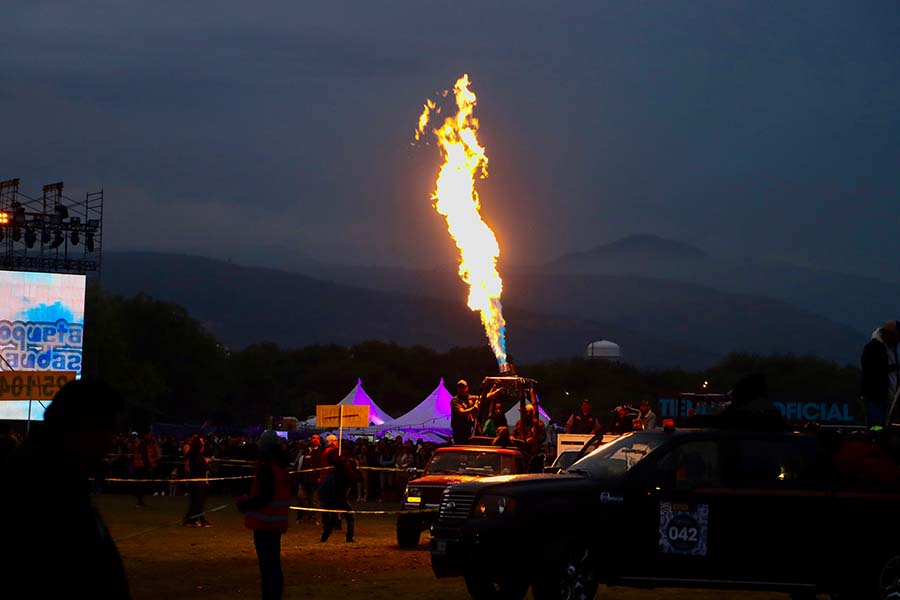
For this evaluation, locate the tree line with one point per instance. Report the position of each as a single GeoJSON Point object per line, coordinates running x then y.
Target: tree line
{"type": "Point", "coordinates": [171, 369]}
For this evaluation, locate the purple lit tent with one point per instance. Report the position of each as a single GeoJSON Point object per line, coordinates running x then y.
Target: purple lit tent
{"type": "Point", "coordinates": [359, 397]}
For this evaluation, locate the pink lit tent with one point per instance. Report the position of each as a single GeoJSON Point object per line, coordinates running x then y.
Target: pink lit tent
{"type": "Point", "coordinates": [359, 397]}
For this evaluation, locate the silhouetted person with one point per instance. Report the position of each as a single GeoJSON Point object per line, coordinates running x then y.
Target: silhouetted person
{"type": "Point", "coordinates": [267, 511]}
{"type": "Point", "coordinates": [143, 465]}
{"type": "Point", "coordinates": [530, 429]}
{"type": "Point", "coordinates": [880, 373]}
{"type": "Point", "coordinates": [310, 481]}
{"type": "Point", "coordinates": [56, 542]}
{"type": "Point", "coordinates": [647, 417]}
{"type": "Point", "coordinates": [503, 439]}
{"type": "Point", "coordinates": [749, 392]}
{"type": "Point", "coordinates": [334, 491]}
{"type": "Point", "coordinates": [622, 421]}
{"type": "Point", "coordinates": [196, 466]}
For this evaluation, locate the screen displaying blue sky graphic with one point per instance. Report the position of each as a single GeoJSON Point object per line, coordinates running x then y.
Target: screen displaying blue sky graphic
{"type": "Point", "coordinates": [41, 328]}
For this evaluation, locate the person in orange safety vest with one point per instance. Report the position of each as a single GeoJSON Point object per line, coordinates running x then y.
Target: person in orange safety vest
{"type": "Point", "coordinates": [267, 509]}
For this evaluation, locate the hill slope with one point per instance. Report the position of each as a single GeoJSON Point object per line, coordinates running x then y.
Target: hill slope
{"type": "Point", "coordinates": [861, 303]}
{"type": "Point", "coordinates": [244, 305]}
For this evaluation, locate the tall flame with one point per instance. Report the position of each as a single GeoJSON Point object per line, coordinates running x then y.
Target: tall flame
{"type": "Point", "coordinates": [457, 200]}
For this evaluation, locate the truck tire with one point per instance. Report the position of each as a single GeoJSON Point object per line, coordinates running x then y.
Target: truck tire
{"type": "Point", "coordinates": [887, 577]}
{"type": "Point", "coordinates": [570, 579]}
{"type": "Point", "coordinates": [495, 586]}
{"type": "Point", "coordinates": [409, 530]}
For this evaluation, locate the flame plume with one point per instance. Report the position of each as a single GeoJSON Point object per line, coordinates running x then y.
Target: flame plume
{"type": "Point", "coordinates": [457, 200]}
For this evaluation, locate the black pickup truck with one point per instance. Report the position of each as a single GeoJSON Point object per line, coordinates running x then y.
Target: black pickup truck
{"type": "Point", "coordinates": [719, 508]}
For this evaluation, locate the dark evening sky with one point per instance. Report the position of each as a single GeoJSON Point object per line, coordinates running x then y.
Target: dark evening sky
{"type": "Point", "coordinates": [242, 130]}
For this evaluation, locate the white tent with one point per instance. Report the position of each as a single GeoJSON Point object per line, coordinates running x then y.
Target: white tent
{"type": "Point", "coordinates": [431, 415]}
{"type": "Point", "coordinates": [359, 397]}
{"type": "Point", "coordinates": [512, 415]}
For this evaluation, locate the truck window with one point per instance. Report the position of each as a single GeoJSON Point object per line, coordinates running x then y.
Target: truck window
{"type": "Point", "coordinates": [692, 465]}
{"type": "Point", "coordinates": [470, 463]}
{"type": "Point", "coordinates": [616, 458]}
{"type": "Point", "coordinates": [789, 463]}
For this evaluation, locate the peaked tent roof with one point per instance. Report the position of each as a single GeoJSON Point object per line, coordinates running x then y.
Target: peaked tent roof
{"type": "Point", "coordinates": [512, 415]}
{"type": "Point", "coordinates": [359, 397]}
{"type": "Point", "coordinates": [431, 413]}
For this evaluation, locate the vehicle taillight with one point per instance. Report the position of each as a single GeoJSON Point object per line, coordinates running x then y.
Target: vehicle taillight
{"type": "Point", "coordinates": [669, 425]}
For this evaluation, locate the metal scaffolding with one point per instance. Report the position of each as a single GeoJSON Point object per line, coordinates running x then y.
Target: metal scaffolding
{"type": "Point", "coordinates": [52, 233]}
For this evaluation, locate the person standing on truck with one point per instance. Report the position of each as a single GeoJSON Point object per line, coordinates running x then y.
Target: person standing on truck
{"type": "Point", "coordinates": [583, 422]}
{"type": "Point", "coordinates": [530, 429]}
{"type": "Point", "coordinates": [462, 413]}
{"type": "Point", "coordinates": [648, 417]}
{"type": "Point", "coordinates": [879, 373]}
{"type": "Point", "coordinates": [623, 422]}
{"type": "Point", "coordinates": [495, 421]}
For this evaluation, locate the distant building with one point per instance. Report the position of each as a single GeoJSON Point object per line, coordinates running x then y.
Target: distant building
{"type": "Point", "coordinates": [603, 350]}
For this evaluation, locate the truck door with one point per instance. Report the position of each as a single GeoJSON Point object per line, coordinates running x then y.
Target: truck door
{"type": "Point", "coordinates": [782, 499]}
{"type": "Point", "coordinates": [679, 515]}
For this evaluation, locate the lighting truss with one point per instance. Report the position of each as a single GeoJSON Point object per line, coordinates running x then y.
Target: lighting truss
{"type": "Point", "coordinates": [52, 233]}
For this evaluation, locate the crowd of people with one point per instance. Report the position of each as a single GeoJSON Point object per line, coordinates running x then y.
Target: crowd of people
{"type": "Point", "coordinates": [267, 475]}
{"type": "Point", "coordinates": [77, 439]}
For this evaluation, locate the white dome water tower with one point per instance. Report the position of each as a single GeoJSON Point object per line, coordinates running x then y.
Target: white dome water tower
{"type": "Point", "coordinates": [603, 350]}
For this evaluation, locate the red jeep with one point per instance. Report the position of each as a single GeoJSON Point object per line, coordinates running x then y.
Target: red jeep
{"type": "Point", "coordinates": [453, 464]}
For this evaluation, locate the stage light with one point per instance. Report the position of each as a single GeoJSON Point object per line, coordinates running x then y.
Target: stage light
{"type": "Point", "coordinates": [2, 233]}
{"type": "Point", "coordinates": [45, 236]}
{"type": "Point", "coordinates": [89, 242]}
{"type": "Point", "coordinates": [19, 216]}
{"type": "Point", "coordinates": [30, 237]}
{"type": "Point", "coordinates": [74, 238]}
{"type": "Point", "coordinates": [4, 218]}
{"type": "Point", "coordinates": [58, 240]}
{"type": "Point", "coordinates": [16, 234]}
{"type": "Point", "coordinates": [62, 211]}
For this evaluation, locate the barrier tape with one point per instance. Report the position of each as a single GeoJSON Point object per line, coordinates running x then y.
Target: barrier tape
{"type": "Point", "coordinates": [365, 512]}
{"type": "Point", "coordinates": [186, 480]}
{"type": "Point", "coordinates": [250, 463]}
{"type": "Point", "coordinates": [231, 478]}
{"type": "Point", "coordinates": [297, 508]}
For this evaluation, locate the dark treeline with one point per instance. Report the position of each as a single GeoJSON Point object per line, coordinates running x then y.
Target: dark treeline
{"type": "Point", "coordinates": [172, 370]}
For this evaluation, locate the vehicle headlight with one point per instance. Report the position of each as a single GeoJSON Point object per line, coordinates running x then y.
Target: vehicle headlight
{"type": "Point", "coordinates": [491, 505]}
{"type": "Point", "coordinates": [413, 495]}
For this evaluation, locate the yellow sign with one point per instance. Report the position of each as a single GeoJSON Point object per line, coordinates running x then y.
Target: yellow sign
{"type": "Point", "coordinates": [341, 415]}
{"type": "Point", "coordinates": [32, 385]}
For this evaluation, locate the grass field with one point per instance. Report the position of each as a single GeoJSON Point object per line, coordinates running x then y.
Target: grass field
{"type": "Point", "coordinates": [165, 560]}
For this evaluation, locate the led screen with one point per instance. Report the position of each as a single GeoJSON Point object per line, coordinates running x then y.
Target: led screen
{"type": "Point", "coordinates": [41, 328]}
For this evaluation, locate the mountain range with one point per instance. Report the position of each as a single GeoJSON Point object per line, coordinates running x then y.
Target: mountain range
{"type": "Point", "coordinates": [667, 304]}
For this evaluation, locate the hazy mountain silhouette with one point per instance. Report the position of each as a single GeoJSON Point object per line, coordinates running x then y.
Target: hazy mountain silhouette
{"type": "Point", "coordinates": [858, 302]}
{"type": "Point", "coordinates": [657, 322]}
{"type": "Point", "coordinates": [636, 248]}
